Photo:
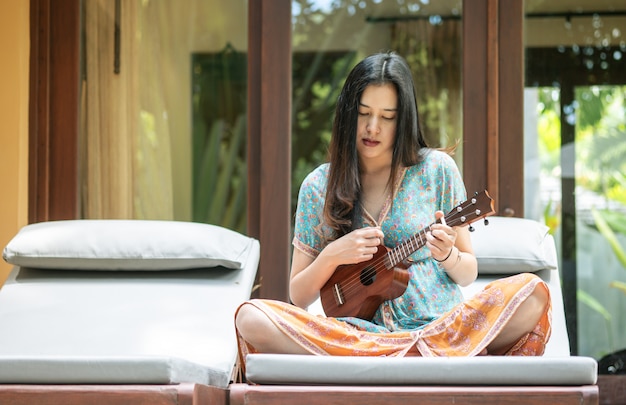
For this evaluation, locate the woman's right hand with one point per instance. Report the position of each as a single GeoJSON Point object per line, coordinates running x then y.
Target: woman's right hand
{"type": "Point", "coordinates": [357, 246]}
{"type": "Point", "coordinates": [309, 275]}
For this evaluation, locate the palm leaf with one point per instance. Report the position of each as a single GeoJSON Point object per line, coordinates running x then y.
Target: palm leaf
{"type": "Point", "coordinates": [595, 305]}
{"type": "Point", "coordinates": [619, 285]}
{"type": "Point", "coordinates": [609, 235]}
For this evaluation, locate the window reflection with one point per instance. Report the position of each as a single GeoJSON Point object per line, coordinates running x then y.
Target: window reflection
{"type": "Point", "coordinates": [574, 146]}
{"type": "Point", "coordinates": [330, 36]}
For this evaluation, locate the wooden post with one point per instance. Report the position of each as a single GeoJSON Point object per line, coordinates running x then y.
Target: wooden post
{"type": "Point", "coordinates": [269, 141]}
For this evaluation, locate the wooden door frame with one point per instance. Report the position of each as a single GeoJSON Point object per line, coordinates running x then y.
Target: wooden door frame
{"type": "Point", "coordinates": [54, 89]}
{"type": "Point", "coordinates": [269, 142]}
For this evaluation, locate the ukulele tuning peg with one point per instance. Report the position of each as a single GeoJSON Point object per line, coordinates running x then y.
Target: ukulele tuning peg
{"type": "Point", "coordinates": [471, 228]}
{"type": "Point", "coordinates": [486, 222]}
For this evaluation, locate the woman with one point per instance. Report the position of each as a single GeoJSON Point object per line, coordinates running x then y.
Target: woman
{"type": "Point", "coordinates": [381, 186]}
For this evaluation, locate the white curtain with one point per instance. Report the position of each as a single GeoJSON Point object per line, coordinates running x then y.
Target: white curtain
{"type": "Point", "coordinates": [109, 113]}
{"type": "Point", "coordinates": [136, 151]}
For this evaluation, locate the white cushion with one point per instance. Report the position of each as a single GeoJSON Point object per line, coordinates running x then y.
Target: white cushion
{"type": "Point", "coordinates": [126, 245]}
{"type": "Point", "coordinates": [512, 245]}
{"type": "Point", "coordinates": [130, 327]}
{"type": "Point", "coordinates": [364, 370]}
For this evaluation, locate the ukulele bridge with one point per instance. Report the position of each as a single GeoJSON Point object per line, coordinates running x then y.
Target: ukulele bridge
{"type": "Point", "coordinates": [338, 293]}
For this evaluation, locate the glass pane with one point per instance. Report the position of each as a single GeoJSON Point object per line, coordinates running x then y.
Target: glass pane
{"type": "Point", "coordinates": [164, 110]}
{"type": "Point", "coordinates": [330, 37]}
{"type": "Point", "coordinates": [219, 82]}
{"type": "Point", "coordinates": [575, 143]}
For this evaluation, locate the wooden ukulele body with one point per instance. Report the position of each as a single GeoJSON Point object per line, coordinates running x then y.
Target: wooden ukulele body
{"type": "Point", "coordinates": [357, 290]}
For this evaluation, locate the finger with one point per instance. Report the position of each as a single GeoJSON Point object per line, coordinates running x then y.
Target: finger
{"type": "Point", "coordinates": [433, 242]}
{"type": "Point", "coordinates": [373, 242]}
{"type": "Point", "coordinates": [443, 221]}
{"type": "Point", "coordinates": [365, 254]}
{"type": "Point", "coordinates": [440, 234]}
{"type": "Point", "coordinates": [373, 234]}
{"type": "Point", "coordinates": [442, 224]}
{"type": "Point", "coordinates": [437, 251]}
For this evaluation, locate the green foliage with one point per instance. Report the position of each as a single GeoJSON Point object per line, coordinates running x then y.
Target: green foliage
{"type": "Point", "coordinates": [607, 222]}
{"type": "Point", "coordinates": [619, 285]}
{"type": "Point", "coordinates": [595, 305]}
{"type": "Point", "coordinates": [593, 105]}
{"type": "Point", "coordinates": [219, 139]}
{"type": "Point", "coordinates": [317, 81]}
{"type": "Point", "coordinates": [549, 129]}
{"type": "Point", "coordinates": [601, 141]}
{"type": "Point", "coordinates": [600, 150]}
{"type": "Point", "coordinates": [552, 216]}
{"type": "Point", "coordinates": [220, 187]}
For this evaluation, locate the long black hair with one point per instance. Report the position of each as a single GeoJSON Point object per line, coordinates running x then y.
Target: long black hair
{"type": "Point", "coordinates": [343, 208]}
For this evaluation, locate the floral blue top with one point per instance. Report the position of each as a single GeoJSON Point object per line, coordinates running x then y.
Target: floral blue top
{"type": "Point", "coordinates": [431, 185]}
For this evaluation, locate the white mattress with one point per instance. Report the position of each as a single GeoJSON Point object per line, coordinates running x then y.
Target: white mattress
{"type": "Point", "coordinates": [482, 370]}
{"type": "Point", "coordinates": [84, 327]}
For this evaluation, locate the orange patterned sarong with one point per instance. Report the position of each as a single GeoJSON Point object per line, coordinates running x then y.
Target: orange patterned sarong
{"type": "Point", "coordinates": [466, 330]}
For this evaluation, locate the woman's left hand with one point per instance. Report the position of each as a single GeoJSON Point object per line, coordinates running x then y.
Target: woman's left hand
{"type": "Point", "coordinates": [452, 248]}
{"type": "Point", "coordinates": [441, 239]}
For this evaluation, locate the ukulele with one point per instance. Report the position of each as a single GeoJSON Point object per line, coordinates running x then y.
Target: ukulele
{"type": "Point", "coordinates": [357, 290]}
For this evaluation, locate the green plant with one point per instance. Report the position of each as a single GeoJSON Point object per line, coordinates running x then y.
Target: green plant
{"type": "Point", "coordinates": [219, 83]}
{"type": "Point", "coordinates": [595, 305]}
{"type": "Point", "coordinates": [608, 223]}
{"type": "Point", "coordinates": [598, 115]}
{"type": "Point", "coordinates": [220, 189]}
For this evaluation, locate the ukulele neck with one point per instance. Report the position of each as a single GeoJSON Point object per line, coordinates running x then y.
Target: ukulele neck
{"type": "Point", "coordinates": [408, 247]}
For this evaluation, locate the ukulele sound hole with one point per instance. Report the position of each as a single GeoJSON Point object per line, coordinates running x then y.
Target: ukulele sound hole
{"type": "Point", "coordinates": [368, 276]}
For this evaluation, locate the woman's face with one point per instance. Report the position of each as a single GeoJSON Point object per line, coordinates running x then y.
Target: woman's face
{"type": "Point", "coordinates": [376, 129]}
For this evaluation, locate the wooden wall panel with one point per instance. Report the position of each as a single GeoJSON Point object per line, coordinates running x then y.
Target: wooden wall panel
{"type": "Point", "coordinates": [493, 125]}
{"type": "Point", "coordinates": [53, 111]}
{"type": "Point", "coordinates": [475, 151]}
{"type": "Point", "coordinates": [269, 137]}
{"type": "Point", "coordinates": [511, 108]}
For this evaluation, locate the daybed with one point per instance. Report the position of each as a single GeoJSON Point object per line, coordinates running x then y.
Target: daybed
{"type": "Point", "coordinates": [506, 246]}
{"type": "Point", "coordinates": [117, 312]}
